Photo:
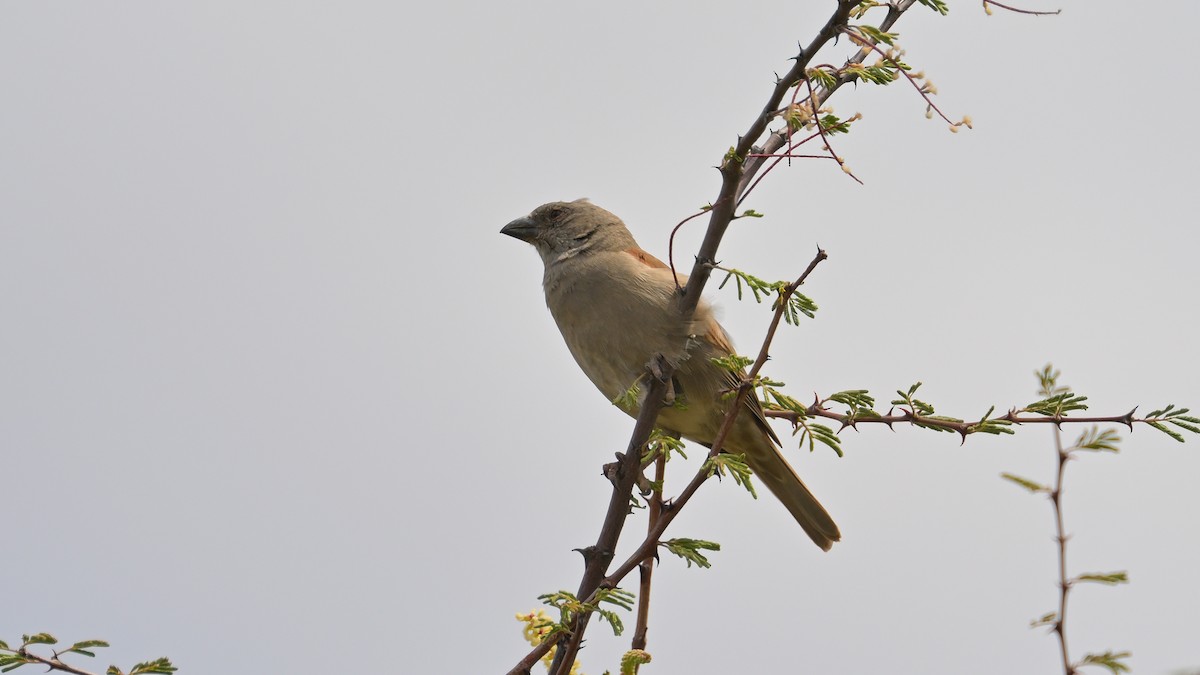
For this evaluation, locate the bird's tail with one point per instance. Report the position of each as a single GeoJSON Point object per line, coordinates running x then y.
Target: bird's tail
{"type": "Point", "coordinates": [781, 479]}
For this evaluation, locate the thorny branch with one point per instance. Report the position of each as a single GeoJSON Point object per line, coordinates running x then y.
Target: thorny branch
{"type": "Point", "coordinates": [961, 427]}
{"type": "Point", "coordinates": [738, 170]}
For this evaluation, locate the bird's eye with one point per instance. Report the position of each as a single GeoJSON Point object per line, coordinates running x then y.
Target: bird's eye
{"type": "Point", "coordinates": [555, 213]}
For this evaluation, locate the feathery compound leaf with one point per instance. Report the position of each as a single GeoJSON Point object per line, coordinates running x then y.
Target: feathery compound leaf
{"type": "Point", "coordinates": [856, 400]}
{"type": "Point", "coordinates": [1113, 662]}
{"type": "Point", "coordinates": [4, 645]}
{"type": "Point", "coordinates": [1189, 427]}
{"type": "Point", "coordinates": [871, 74]}
{"type": "Point", "coordinates": [758, 287]}
{"type": "Point", "coordinates": [817, 433]}
{"type": "Point", "coordinates": [777, 400]}
{"type": "Point", "coordinates": [737, 468]}
{"type": "Point", "coordinates": [1025, 483]}
{"type": "Point", "coordinates": [160, 666]}
{"type": "Point", "coordinates": [877, 35]}
{"type": "Point", "coordinates": [734, 363]}
{"type": "Point", "coordinates": [1044, 620]}
{"type": "Point", "coordinates": [1178, 418]}
{"type": "Point", "coordinates": [916, 406]}
{"type": "Point", "coordinates": [1098, 441]}
{"type": "Point", "coordinates": [663, 443]}
{"type": "Point", "coordinates": [39, 639]}
{"type": "Point", "coordinates": [832, 124]}
{"type": "Point", "coordinates": [936, 5]}
{"type": "Point", "coordinates": [79, 647]}
{"type": "Point", "coordinates": [13, 661]}
{"type": "Point", "coordinates": [628, 399]}
{"type": "Point", "coordinates": [1057, 405]}
{"type": "Point", "coordinates": [1162, 412]}
{"type": "Point", "coordinates": [613, 596]}
{"type": "Point", "coordinates": [690, 550]}
{"type": "Point", "coordinates": [1048, 381]}
{"type": "Point", "coordinates": [1111, 579]}
{"type": "Point", "coordinates": [822, 77]}
{"type": "Point", "coordinates": [798, 303]}
{"type": "Point", "coordinates": [1170, 432]}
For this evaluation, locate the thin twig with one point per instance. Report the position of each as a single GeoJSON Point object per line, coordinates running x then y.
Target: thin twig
{"type": "Point", "coordinates": [1018, 11]}
{"type": "Point", "coordinates": [1060, 532]}
{"type": "Point", "coordinates": [52, 663]}
{"type": "Point", "coordinates": [963, 428]}
{"type": "Point", "coordinates": [647, 566]}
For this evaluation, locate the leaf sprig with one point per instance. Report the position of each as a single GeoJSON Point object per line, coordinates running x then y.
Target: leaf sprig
{"type": "Point", "coordinates": [690, 550]}
{"type": "Point", "coordinates": [797, 303]}
{"type": "Point", "coordinates": [13, 658]}
{"type": "Point", "coordinates": [570, 607]}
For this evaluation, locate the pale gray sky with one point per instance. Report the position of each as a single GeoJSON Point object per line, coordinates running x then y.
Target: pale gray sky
{"type": "Point", "coordinates": [275, 395]}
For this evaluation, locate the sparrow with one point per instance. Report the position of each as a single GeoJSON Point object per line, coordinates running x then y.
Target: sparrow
{"type": "Point", "coordinates": [617, 307]}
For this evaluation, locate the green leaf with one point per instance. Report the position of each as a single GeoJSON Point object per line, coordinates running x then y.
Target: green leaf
{"type": "Point", "coordinates": [1048, 381]}
{"type": "Point", "coordinates": [689, 550]}
{"type": "Point", "coordinates": [854, 399]}
{"type": "Point", "coordinates": [1111, 578]}
{"type": "Point", "coordinates": [39, 639]}
{"type": "Point", "coordinates": [737, 468]}
{"type": "Point", "coordinates": [1044, 620]}
{"type": "Point", "coordinates": [1025, 483]}
{"type": "Point", "coordinates": [1113, 662]}
{"type": "Point", "coordinates": [159, 666]}
{"type": "Point", "coordinates": [936, 5]}
{"type": "Point", "coordinates": [734, 363]}
{"type": "Point", "coordinates": [84, 647]}
{"type": "Point", "coordinates": [663, 443]}
{"type": "Point", "coordinates": [628, 399]}
{"type": "Point", "coordinates": [877, 35]}
{"type": "Point", "coordinates": [1057, 405]}
{"type": "Point", "coordinates": [614, 596]}
{"type": "Point", "coordinates": [1170, 432]}
{"type": "Point", "coordinates": [1098, 441]}
{"type": "Point", "coordinates": [822, 77]}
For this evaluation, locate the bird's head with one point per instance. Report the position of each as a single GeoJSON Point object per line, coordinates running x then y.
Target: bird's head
{"type": "Point", "coordinates": [561, 229]}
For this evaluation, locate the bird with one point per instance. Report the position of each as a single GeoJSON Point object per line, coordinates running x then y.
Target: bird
{"type": "Point", "coordinates": [617, 308]}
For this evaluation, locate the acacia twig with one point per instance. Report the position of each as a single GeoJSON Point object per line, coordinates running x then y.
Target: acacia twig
{"type": "Point", "coordinates": [647, 566]}
{"type": "Point", "coordinates": [1060, 537]}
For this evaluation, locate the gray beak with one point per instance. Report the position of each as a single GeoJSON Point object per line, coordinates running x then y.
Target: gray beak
{"type": "Point", "coordinates": [521, 228]}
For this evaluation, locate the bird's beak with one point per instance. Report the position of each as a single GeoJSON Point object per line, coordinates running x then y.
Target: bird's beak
{"type": "Point", "coordinates": [521, 228]}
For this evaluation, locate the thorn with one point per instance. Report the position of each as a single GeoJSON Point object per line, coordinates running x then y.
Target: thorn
{"type": "Point", "coordinates": [1128, 418]}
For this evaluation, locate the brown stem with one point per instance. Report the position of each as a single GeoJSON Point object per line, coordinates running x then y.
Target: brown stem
{"type": "Point", "coordinates": [647, 565]}
{"type": "Point", "coordinates": [963, 428]}
{"type": "Point", "coordinates": [597, 557]}
{"type": "Point", "coordinates": [624, 476]}
{"type": "Point", "coordinates": [780, 138]}
{"type": "Point", "coordinates": [1018, 11]}
{"type": "Point", "coordinates": [52, 663]}
{"type": "Point", "coordinates": [733, 170]}
{"type": "Point", "coordinates": [1064, 584]}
